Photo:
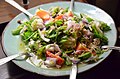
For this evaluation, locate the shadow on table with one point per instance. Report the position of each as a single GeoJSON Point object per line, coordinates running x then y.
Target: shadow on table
{"type": "Point", "coordinates": [2, 26]}
{"type": "Point", "coordinates": [16, 72]}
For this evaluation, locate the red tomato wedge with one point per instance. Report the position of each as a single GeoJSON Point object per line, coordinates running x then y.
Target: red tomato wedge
{"type": "Point", "coordinates": [94, 53]}
{"type": "Point", "coordinates": [60, 61]}
{"type": "Point", "coordinates": [59, 16]}
{"type": "Point", "coordinates": [43, 14]}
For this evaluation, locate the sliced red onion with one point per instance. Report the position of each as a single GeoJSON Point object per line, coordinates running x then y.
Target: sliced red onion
{"type": "Point", "coordinates": [87, 32]}
{"type": "Point", "coordinates": [96, 41]}
{"type": "Point", "coordinates": [77, 26]}
{"type": "Point", "coordinates": [91, 58]}
{"type": "Point", "coordinates": [48, 48]}
{"type": "Point", "coordinates": [34, 60]}
{"type": "Point", "coordinates": [78, 52]}
{"type": "Point", "coordinates": [50, 61]}
{"type": "Point", "coordinates": [58, 66]}
{"type": "Point", "coordinates": [85, 21]}
{"type": "Point", "coordinates": [75, 60]}
{"type": "Point", "coordinates": [48, 21]}
{"type": "Point", "coordinates": [53, 48]}
{"type": "Point", "coordinates": [31, 42]}
{"type": "Point", "coordinates": [40, 25]}
{"type": "Point", "coordinates": [70, 24]}
{"type": "Point", "coordinates": [85, 36]}
{"type": "Point", "coordinates": [57, 47]}
{"type": "Point", "coordinates": [65, 16]}
{"type": "Point", "coordinates": [97, 24]}
{"type": "Point", "coordinates": [42, 35]}
{"type": "Point", "coordinates": [24, 29]}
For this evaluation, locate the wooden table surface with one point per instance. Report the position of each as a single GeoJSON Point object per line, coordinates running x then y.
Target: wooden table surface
{"type": "Point", "coordinates": [8, 12]}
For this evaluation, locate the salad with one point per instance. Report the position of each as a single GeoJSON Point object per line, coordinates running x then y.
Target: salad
{"type": "Point", "coordinates": [57, 35]}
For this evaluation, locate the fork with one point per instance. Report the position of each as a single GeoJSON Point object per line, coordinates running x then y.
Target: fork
{"type": "Point", "coordinates": [74, 68]}
{"type": "Point", "coordinates": [16, 5]}
{"type": "Point", "coordinates": [9, 58]}
{"type": "Point", "coordinates": [111, 47]}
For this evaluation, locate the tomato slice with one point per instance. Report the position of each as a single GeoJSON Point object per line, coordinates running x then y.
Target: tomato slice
{"type": "Point", "coordinates": [81, 47]}
{"type": "Point", "coordinates": [59, 16]}
{"type": "Point", "coordinates": [60, 60]}
{"type": "Point", "coordinates": [43, 14]}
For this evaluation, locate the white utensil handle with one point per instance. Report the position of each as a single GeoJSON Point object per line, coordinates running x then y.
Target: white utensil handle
{"type": "Point", "coordinates": [73, 72]}
{"type": "Point", "coordinates": [71, 5]}
{"type": "Point", "coordinates": [111, 47]}
{"type": "Point", "coordinates": [16, 5]}
{"type": "Point", "coordinates": [7, 59]}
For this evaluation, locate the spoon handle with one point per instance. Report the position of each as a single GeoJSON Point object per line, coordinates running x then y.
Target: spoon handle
{"type": "Point", "coordinates": [9, 58]}
{"type": "Point", "coordinates": [16, 5]}
{"type": "Point", "coordinates": [73, 71]}
{"type": "Point", "coordinates": [71, 5]}
{"type": "Point", "coordinates": [111, 47]}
